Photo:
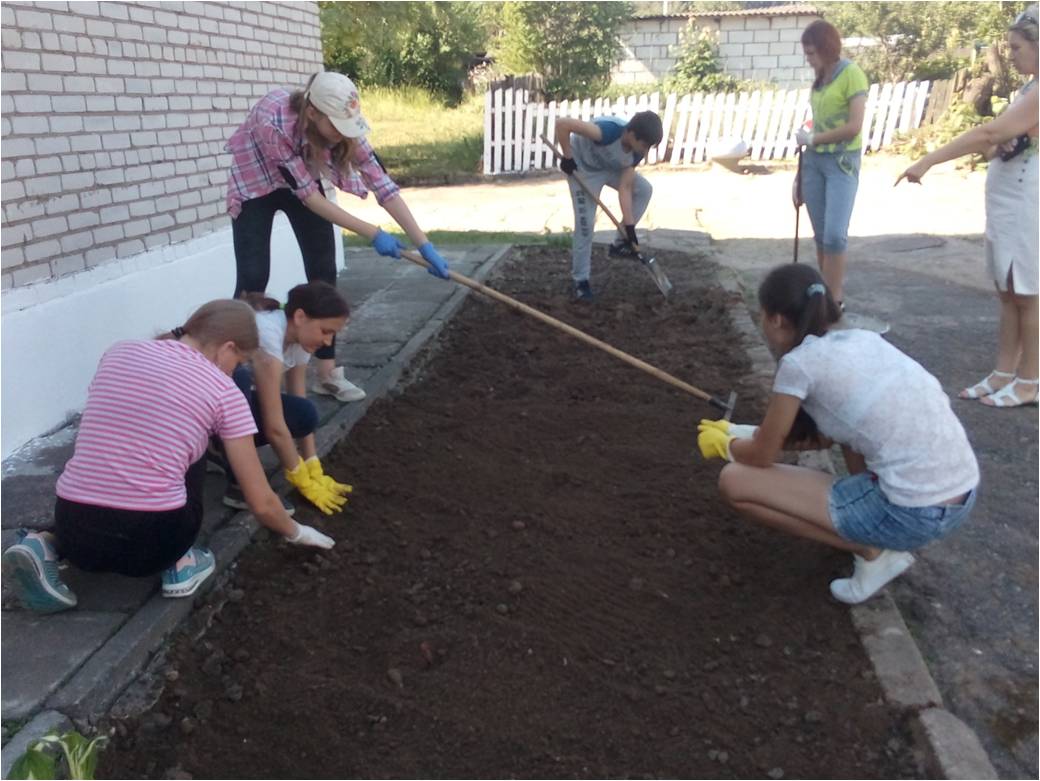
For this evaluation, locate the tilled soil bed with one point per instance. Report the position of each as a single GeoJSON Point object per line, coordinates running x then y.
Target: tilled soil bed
{"type": "Point", "coordinates": [535, 577]}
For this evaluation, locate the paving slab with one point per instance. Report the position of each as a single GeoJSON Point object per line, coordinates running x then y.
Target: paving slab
{"type": "Point", "coordinates": [41, 652]}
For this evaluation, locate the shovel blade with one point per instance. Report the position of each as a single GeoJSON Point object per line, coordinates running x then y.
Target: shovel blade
{"type": "Point", "coordinates": [660, 278]}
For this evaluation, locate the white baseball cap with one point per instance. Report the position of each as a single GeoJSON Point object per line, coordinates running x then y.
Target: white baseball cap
{"type": "Point", "coordinates": [335, 96]}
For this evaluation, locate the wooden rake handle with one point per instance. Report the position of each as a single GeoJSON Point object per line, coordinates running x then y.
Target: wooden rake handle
{"type": "Point", "coordinates": [631, 360]}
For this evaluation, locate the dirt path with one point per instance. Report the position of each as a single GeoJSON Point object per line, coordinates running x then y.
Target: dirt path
{"type": "Point", "coordinates": [535, 579]}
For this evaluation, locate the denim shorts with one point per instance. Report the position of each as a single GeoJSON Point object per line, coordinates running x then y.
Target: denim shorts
{"type": "Point", "coordinates": [861, 513]}
{"type": "Point", "coordinates": [829, 184]}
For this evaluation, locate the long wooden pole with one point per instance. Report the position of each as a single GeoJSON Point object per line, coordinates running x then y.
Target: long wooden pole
{"type": "Point", "coordinates": [631, 360]}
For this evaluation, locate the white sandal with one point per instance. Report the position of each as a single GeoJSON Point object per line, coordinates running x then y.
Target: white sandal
{"type": "Point", "coordinates": [1006, 396]}
{"type": "Point", "coordinates": [987, 389]}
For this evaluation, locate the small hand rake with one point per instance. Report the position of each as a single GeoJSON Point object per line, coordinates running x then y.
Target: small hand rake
{"type": "Point", "coordinates": [725, 406]}
{"type": "Point", "coordinates": [660, 278]}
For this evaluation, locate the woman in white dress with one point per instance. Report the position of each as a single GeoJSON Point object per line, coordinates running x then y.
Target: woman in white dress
{"type": "Point", "coordinates": [1012, 246]}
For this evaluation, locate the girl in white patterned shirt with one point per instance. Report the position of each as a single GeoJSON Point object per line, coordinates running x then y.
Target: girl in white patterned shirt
{"type": "Point", "coordinates": [913, 472]}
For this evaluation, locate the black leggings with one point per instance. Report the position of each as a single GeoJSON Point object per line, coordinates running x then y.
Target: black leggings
{"type": "Point", "coordinates": [130, 542]}
{"type": "Point", "coordinates": [251, 231]}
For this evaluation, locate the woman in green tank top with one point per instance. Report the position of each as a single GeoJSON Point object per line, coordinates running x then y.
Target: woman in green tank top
{"type": "Point", "coordinates": [830, 166]}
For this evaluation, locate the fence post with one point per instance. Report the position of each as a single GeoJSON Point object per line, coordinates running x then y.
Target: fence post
{"type": "Point", "coordinates": [550, 133]}
{"type": "Point", "coordinates": [922, 99]}
{"type": "Point", "coordinates": [893, 112]}
{"type": "Point", "coordinates": [655, 106]}
{"type": "Point", "coordinates": [518, 130]}
{"type": "Point", "coordinates": [682, 115]}
{"type": "Point", "coordinates": [507, 134]}
{"type": "Point", "coordinates": [488, 169]}
{"type": "Point", "coordinates": [700, 126]}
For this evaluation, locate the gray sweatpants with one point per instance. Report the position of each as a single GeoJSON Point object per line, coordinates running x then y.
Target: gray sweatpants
{"type": "Point", "coordinates": [585, 213]}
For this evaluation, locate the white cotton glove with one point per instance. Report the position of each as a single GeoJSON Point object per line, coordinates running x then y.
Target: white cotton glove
{"type": "Point", "coordinates": [742, 430]}
{"type": "Point", "coordinates": [803, 137]}
{"type": "Point", "coordinates": [308, 535]}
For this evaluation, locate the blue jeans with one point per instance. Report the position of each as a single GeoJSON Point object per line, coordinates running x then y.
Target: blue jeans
{"type": "Point", "coordinates": [829, 184]}
{"type": "Point", "coordinates": [861, 513]}
{"type": "Point", "coordinates": [301, 416]}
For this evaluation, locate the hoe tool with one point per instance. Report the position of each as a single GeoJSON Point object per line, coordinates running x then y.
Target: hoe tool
{"type": "Point", "coordinates": [660, 278]}
{"type": "Point", "coordinates": [724, 406]}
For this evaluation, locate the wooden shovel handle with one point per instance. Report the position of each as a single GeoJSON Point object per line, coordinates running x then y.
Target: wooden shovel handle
{"type": "Point", "coordinates": [581, 182]}
{"type": "Point", "coordinates": [472, 284]}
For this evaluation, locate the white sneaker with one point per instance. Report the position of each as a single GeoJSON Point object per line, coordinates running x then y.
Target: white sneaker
{"type": "Point", "coordinates": [870, 577]}
{"type": "Point", "coordinates": [338, 386]}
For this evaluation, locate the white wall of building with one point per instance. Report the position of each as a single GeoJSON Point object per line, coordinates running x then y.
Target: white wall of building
{"type": "Point", "coordinates": [752, 46]}
{"type": "Point", "coordinates": [113, 124]}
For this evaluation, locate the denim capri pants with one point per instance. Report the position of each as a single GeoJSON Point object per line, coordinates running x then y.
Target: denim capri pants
{"type": "Point", "coordinates": [829, 184]}
{"type": "Point", "coordinates": [861, 513]}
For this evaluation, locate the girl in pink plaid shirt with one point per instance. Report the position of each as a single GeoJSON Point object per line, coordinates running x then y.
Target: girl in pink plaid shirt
{"type": "Point", "coordinates": [288, 143]}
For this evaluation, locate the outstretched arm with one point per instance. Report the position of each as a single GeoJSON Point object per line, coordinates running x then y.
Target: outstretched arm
{"type": "Point", "coordinates": [1019, 118]}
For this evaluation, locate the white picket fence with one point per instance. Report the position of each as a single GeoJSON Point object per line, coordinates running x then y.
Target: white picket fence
{"type": "Point", "coordinates": [765, 120]}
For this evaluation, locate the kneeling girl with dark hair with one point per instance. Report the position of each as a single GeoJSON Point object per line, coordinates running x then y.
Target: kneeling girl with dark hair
{"type": "Point", "coordinates": [913, 473]}
{"type": "Point", "coordinates": [130, 498]}
{"type": "Point", "coordinates": [313, 314]}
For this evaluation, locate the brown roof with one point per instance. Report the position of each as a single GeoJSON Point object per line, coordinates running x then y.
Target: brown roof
{"type": "Point", "coordinates": [791, 9]}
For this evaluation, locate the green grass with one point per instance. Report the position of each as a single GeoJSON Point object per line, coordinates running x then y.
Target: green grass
{"type": "Point", "coordinates": [443, 238]}
{"type": "Point", "coordinates": [422, 141]}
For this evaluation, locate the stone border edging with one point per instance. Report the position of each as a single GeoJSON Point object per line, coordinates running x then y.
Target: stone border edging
{"type": "Point", "coordinates": [92, 690]}
{"type": "Point", "coordinates": [951, 747]}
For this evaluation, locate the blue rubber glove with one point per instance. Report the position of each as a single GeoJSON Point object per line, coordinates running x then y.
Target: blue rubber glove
{"type": "Point", "coordinates": [386, 245]}
{"type": "Point", "coordinates": [438, 265]}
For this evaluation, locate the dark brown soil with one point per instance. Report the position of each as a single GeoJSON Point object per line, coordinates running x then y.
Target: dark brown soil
{"type": "Point", "coordinates": [535, 578]}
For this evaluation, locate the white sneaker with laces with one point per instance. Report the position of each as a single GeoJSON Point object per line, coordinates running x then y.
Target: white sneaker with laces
{"type": "Point", "coordinates": [870, 577]}
{"type": "Point", "coordinates": [338, 386]}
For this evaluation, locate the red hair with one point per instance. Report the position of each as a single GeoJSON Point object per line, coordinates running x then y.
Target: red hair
{"type": "Point", "coordinates": [825, 38]}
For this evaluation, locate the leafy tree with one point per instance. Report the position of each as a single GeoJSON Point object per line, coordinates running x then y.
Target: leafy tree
{"type": "Point", "coordinates": [915, 39]}
{"type": "Point", "coordinates": [423, 44]}
{"type": "Point", "coordinates": [572, 45]}
{"type": "Point", "coordinates": [698, 68]}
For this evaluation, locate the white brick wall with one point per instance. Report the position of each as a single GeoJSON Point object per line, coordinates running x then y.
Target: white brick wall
{"type": "Point", "coordinates": [759, 48]}
{"type": "Point", "coordinates": [115, 116]}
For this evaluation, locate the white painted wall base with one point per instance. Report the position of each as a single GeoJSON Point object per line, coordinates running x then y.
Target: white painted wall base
{"type": "Point", "coordinates": [54, 333]}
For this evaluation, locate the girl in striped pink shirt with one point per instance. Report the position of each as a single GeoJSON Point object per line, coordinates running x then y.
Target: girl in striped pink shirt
{"type": "Point", "coordinates": [130, 498]}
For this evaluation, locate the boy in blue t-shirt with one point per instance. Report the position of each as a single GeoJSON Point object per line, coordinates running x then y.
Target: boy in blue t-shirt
{"type": "Point", "coordinates": [605, 151]}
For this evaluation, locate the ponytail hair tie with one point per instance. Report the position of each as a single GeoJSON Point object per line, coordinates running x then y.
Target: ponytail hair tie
{"type": "Point", "coordinates": [815, 288]}
{"type": "Point", "coordinates": [178, 332]}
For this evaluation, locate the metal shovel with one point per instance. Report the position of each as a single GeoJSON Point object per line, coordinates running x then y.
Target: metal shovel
{"type": "Point", "coordinates": [660, 278]}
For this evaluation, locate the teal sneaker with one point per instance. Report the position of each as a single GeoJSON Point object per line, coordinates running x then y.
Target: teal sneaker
{"type": "Point", "coordinates": [185, 581]}
{"type": "Point", "coordinates": [30, 571]}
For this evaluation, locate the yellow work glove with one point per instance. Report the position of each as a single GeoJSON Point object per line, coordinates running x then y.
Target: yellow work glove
{"type": "Point", "coordinates": [316, 473]}
{"type": "Point", "coordinates": [735, 430]}
{"type": "Point", "coordinates": [713, 439]}
{"type": "Point", "coordinates": [314, 492]}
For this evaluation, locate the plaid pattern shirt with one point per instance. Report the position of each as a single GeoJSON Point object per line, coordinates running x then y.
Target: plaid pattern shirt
{"type": "Point", "coordinates": [266, 154]}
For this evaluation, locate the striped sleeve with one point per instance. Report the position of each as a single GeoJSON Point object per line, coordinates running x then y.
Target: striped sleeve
{"type": "Point", "coordinates": [234, 418]}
